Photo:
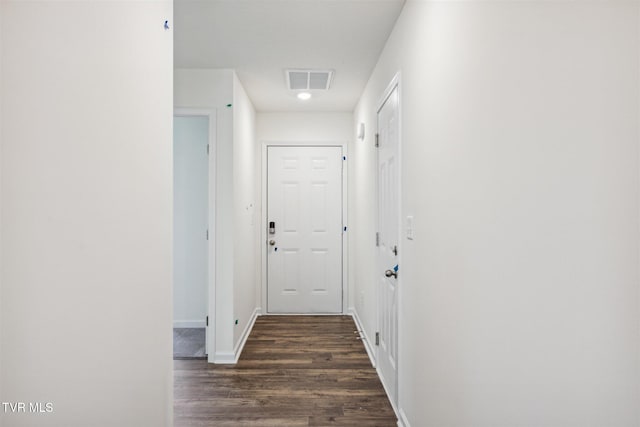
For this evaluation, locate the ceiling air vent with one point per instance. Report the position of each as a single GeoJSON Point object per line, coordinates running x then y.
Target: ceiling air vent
{"type": "Point", "coordinates": [309, 79]}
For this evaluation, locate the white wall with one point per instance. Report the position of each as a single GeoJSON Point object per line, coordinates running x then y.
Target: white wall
{"type": "Point", "coordinates": [299, 127]}
{"type": "Point", "coordinates": [315, 127]}
{"type": "Point", "coordinates": [86, 212]}
{"type": "Point", "coordinates": [244, 177]}
{"type": "Point", "coordinates": [190, 220]}
{"type": "Point", "coordinates": [519, 295]}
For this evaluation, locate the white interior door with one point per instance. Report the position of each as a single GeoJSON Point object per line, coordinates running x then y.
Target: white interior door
{"type": "Point", "coordinates": [190, 220]}
{"type": "Point", "coordinates": [304, 246]}
{"type": "Point", "coordinates": [388, 226]}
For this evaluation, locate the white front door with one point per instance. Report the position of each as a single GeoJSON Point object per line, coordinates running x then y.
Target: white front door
{"type": "Point", "coordinates": [388, 226]}
{"type": "Point", "coordinates": [304, 239]}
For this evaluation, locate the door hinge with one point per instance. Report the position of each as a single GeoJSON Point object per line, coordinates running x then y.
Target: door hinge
{"type": "Point", "coordinates": [377, 338]}
{"type": "Point", "coordinates": [207, 149]}
{"type": "Point", "coordinates": [377, 140]}
{"type": "Point", "coordinates": [207, 321]}
{"type": "Point", "coordinates": [207, 234]}
{"type": "Point", "coordinates": [377, 238]}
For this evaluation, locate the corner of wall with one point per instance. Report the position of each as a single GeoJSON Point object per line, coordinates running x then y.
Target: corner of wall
{"type": "Point", "coordinates": [245, 301]}
{"type": "Point", "coordinates": [403, 421]}
{"type": "Point", "coordinates": [364, 335]}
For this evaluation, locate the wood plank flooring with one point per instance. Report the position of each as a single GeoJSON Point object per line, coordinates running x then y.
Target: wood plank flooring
{"type": "Point", "coordinates": [294, 371]}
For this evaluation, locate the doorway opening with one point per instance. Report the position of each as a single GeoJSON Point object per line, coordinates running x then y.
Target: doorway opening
{"type": "Point", "coordinates": [193, 204]}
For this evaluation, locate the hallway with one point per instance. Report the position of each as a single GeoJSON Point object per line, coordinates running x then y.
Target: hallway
{"type": "Point", "coordinates": [294, 371]}
{"type": "Point", "coordinates": [512, 184]}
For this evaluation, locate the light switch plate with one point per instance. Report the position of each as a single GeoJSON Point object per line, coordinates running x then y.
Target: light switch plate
{"type": "Point", "coordinates": [410, 227]}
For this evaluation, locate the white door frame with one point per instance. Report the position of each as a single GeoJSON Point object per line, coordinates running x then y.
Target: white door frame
{"type": "Point", "coordinates": [395, 83]}
{"type": "Point", "coordinates": [264, 219]}
{"type": "Point", "coordinates": [211, 264]}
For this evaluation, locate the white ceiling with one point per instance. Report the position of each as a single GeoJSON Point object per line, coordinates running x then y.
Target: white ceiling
{"type": "Point", "coordinates": [262, 38]}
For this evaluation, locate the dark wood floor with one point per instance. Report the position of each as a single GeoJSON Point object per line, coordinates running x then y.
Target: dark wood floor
{"type": "Point", "coordinates": [294, 371]}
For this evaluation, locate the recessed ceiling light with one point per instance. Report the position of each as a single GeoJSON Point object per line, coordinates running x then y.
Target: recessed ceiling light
{"type": "Point", "coordinates": [304, 95]}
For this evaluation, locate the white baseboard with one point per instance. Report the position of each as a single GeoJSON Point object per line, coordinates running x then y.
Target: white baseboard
{"type": "Point", "coordinates": [402, 419]}
{"type": "Point", "coordinates": [224, 358]}
{"type": "Point", "coordinates": [369, 347]}
{"type": "Point", "coordinates": [245, 334]}
{"type": "Point", "coordinates": [231, 358]}
{"type": "Point", "coordinates": [365, 338]}
{"type": "Point", "coordinates": [189, 324]}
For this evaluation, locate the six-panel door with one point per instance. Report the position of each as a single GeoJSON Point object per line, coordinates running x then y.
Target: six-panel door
{"type": "Point", "coordinates": [388, 226]}
{"type": "Point", "coordinates": [304, 252]}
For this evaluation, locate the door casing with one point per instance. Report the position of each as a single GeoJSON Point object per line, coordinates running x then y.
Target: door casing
{"type": "Point", "coordinates": [211, 273]}
{"type": "Point", "coordinates": [264, 219]}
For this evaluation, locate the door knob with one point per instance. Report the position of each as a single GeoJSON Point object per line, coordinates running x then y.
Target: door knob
{"type": "Point", "coordinates": [390, 273]}
{"type": "Point", "coordinates": [272, 242]}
